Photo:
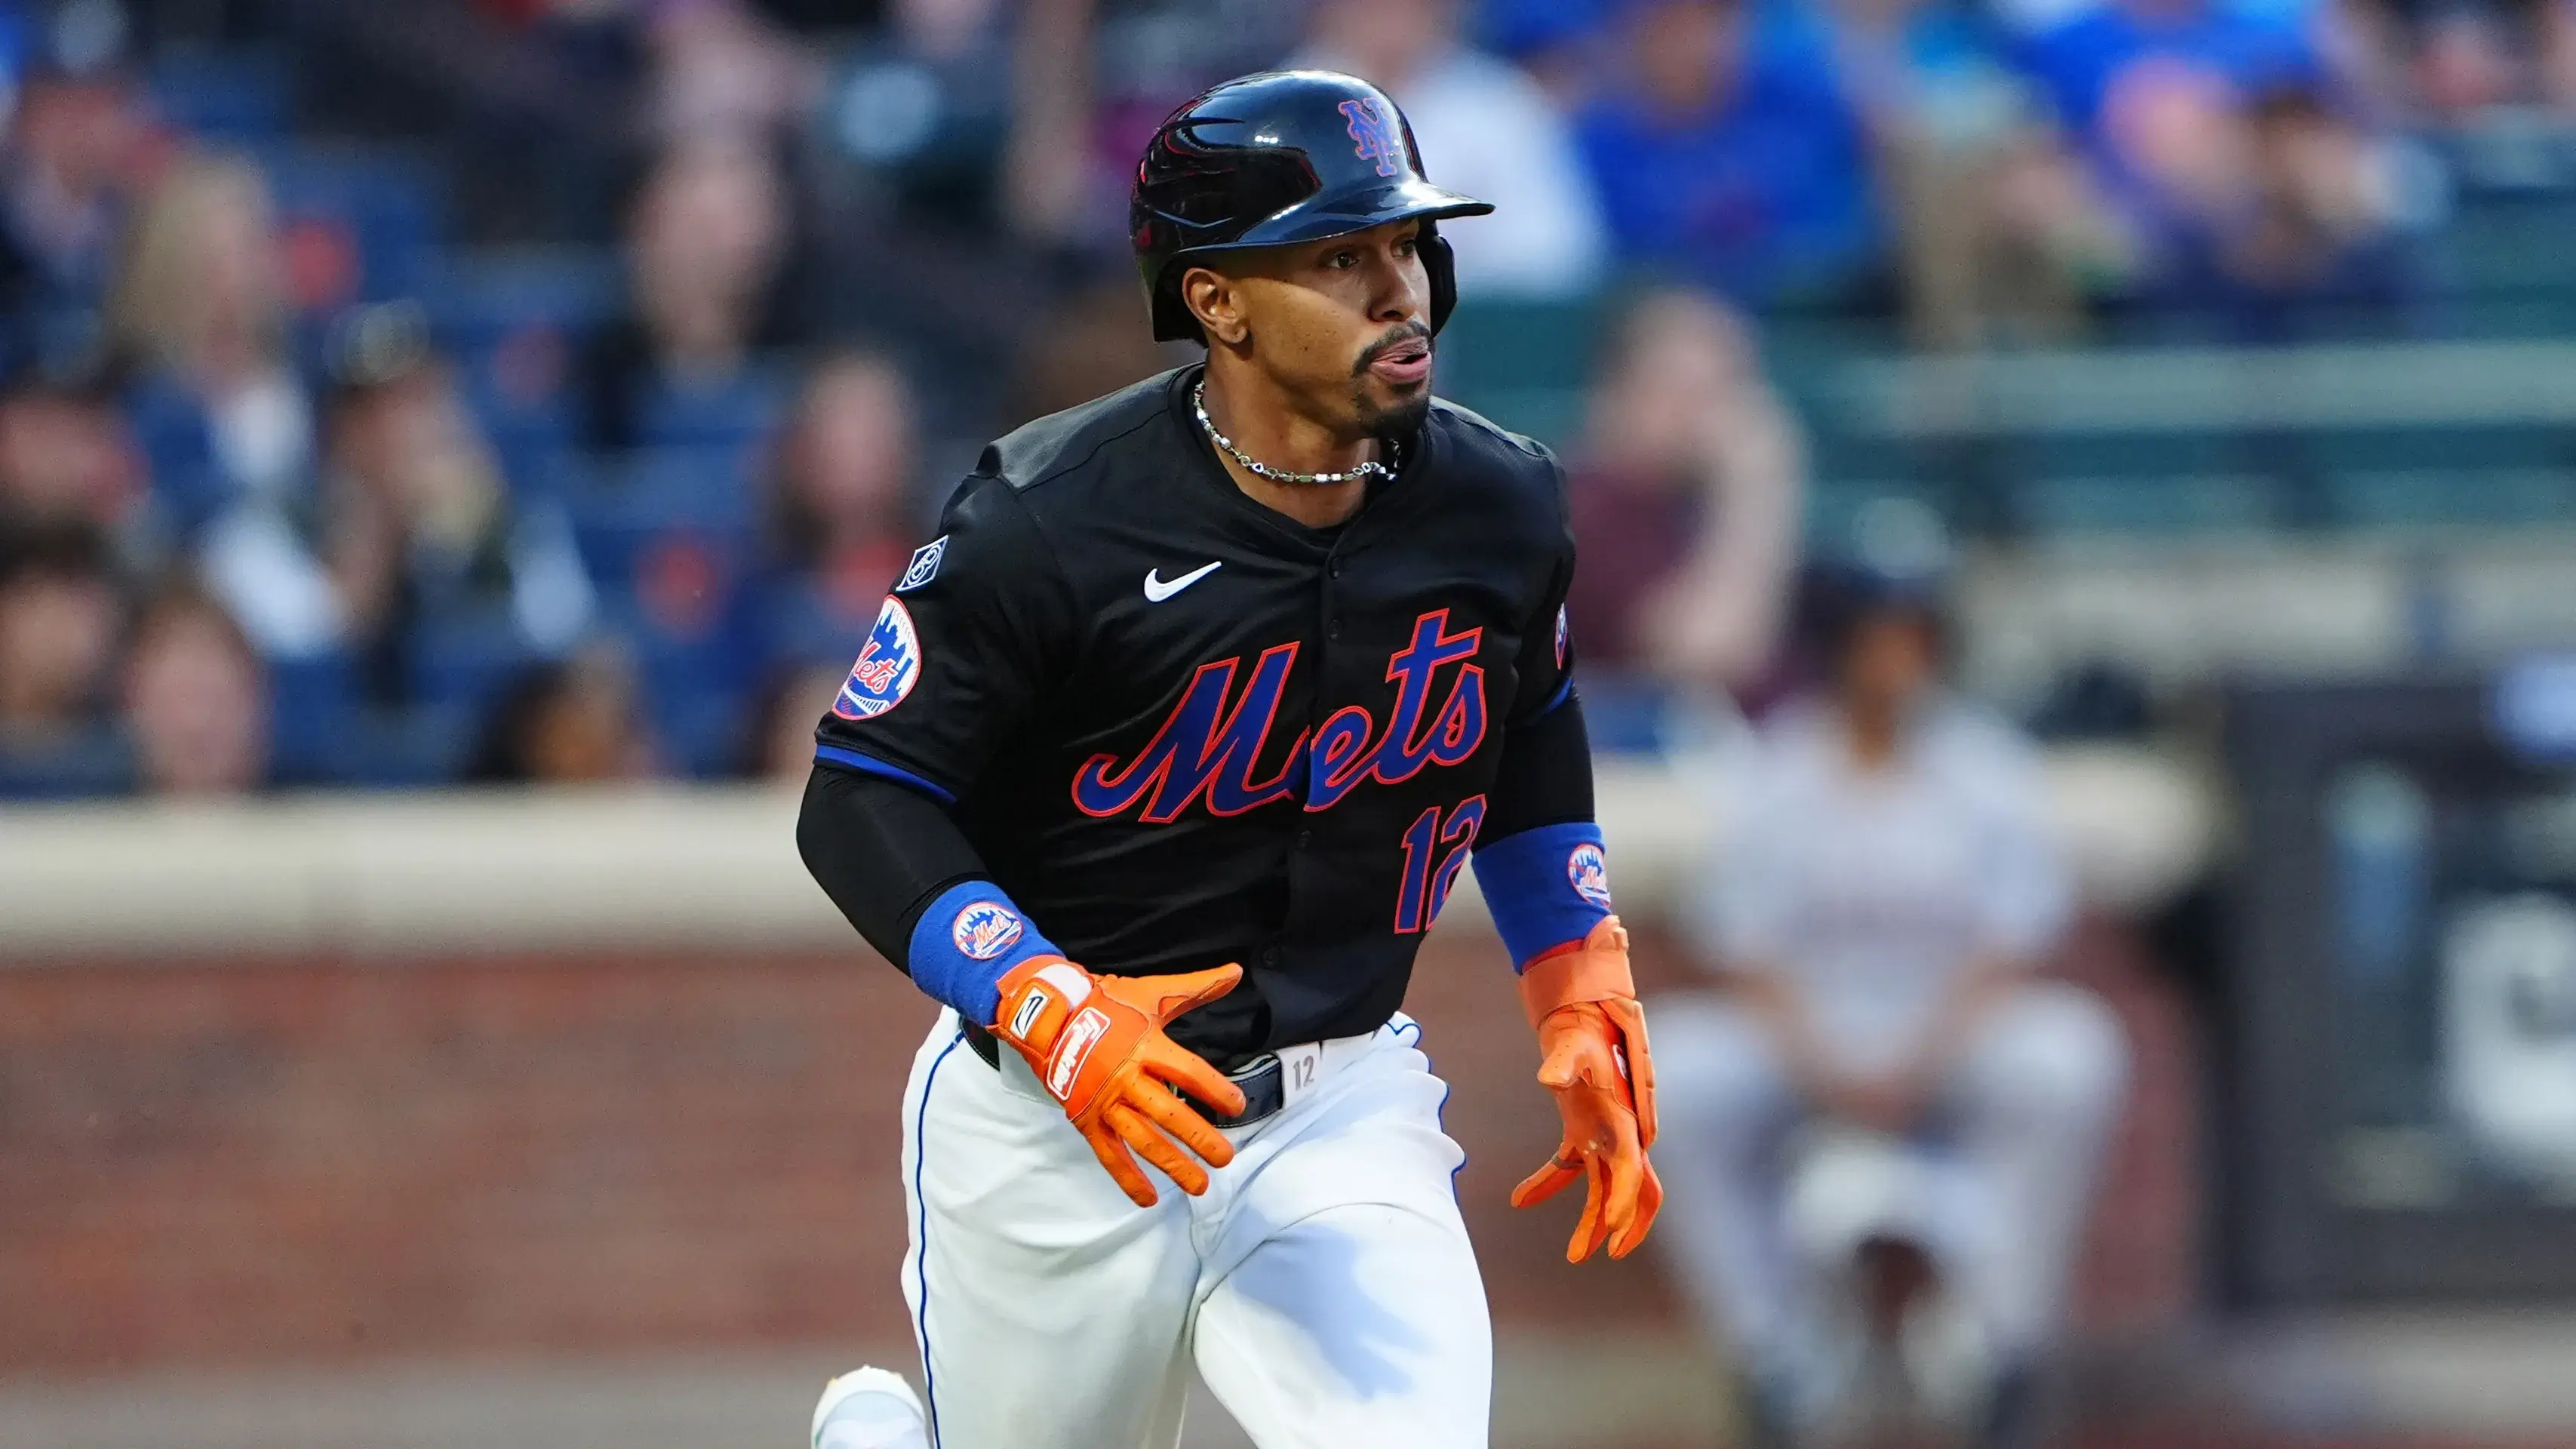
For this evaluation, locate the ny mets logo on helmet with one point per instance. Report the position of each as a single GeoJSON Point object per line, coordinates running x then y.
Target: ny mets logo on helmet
{"type": "Point", "coordinates": [1374, 135]}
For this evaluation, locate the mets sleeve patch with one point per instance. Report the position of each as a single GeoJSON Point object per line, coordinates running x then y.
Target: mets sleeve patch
{"type": "Point", "coordinates": [888, 667]}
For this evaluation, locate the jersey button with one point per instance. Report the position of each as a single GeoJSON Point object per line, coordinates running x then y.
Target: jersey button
{"type": "Point", "coordinates": [1333, 630]}
{"type": "Point", "coordinates": [1334, 568]}
{"type": "Point", "coordinates": [1305, 838]}
{"type": "Point", "coordinates": [1269, 955]}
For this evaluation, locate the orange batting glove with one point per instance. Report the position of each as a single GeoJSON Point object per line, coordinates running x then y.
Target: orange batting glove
{"type": "Point", "coordinates": [1097, 1044]}
{"type": "Point", "coordinates": [1592, 1041]}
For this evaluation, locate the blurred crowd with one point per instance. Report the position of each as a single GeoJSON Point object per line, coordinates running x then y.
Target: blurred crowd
{"type": "Point", "coordinates": [544, 390]}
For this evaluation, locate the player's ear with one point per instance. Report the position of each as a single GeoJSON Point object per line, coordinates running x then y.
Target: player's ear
{"type": "Point", "coordinates": [1217, 302]}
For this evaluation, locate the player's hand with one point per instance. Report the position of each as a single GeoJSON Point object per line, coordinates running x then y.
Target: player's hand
{"type": "Point", "coordinates": [1596, 1065]}
{"type": "Point", "coordinates": [1097, 1044]}
{"type": "Point", "coordinates": [1592, 1045]}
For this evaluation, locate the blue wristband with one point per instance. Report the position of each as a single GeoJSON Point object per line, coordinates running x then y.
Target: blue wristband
{"type": "Point", "coordinates": [1545, 887]}
{"type": "Point", "coordinates": [966, 942]}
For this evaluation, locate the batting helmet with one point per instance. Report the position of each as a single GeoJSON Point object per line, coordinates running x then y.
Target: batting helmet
{"type": "Point", "coordinates": [1284, 156]}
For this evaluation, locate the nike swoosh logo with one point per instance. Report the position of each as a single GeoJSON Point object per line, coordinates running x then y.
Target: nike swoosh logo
{"type": "Point", "coordinates": [1156, 591]}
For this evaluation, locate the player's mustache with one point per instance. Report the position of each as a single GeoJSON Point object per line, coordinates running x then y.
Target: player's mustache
{"type": "Point", "coordinates": [1396, 336]}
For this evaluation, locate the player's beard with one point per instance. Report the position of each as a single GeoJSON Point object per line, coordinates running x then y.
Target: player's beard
{"type": "Point", "coordinates": [1398, 420]}
{"type": "Point", "coordinates": [1403, 417]}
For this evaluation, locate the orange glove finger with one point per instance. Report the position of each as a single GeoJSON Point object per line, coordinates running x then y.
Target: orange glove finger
{"type": "Point", "coordinates": [1184, 1070]}
{"type": "Point", "coordinates": [1592, 1227]}
{"type": "Point", "coordinates": [1547, 1182]}
{"type": "Point", "coordinates": [1111, 1149]}
{"type": "Point", "coordinates": [1132, 1129]}
{"type": "Point", "coordinates": [1617, 1181]}
{"type": "Point", "coordinates": [1183, 1121]}
{"type": "Point", "coordinates": [1165, 997]}
{"type": "Point", "coordinates": [1650, 1200]}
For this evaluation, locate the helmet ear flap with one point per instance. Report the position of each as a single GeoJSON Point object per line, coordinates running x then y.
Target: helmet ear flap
{"type": "Point", "coordinates": [1441, 266]}
{"type": "Point", "coordinates": [1173, 321]}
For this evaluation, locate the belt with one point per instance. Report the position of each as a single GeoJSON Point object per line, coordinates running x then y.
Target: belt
{"type": "Point", "coordinates": [1263, 1081]}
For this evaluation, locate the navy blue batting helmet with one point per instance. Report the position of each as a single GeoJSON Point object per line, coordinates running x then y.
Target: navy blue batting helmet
{"type": "Point", "coordinates": [1271, 159]}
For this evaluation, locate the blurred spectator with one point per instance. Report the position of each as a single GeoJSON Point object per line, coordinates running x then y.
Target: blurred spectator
{"type": "Point", "coordinates": [1686, 494]}
{"type": "Point", "coordinates": [925, 106]}
{"type": "Point", "coordinates": [1884, 1069]}
{"type": "Point", "coordinates": [421, 533]}
{"type": "Point", "coordinates": [706, 239]}
{"type": "Point", "coordinates": [1997, 226]}
{"type": "Point", "coordinates": [2147, 87]}
{"type": "Point", "coordinates": [59, 617]}
{"type": "Point", "coordinates": [2318, 222]}
{"type": "Point", "coordinates": [202, 323]}
{"type": "Point", "coordinates": [196, 698]}
{"type": "Point", "coordinates": [721, 69]}
{"type": "Point", "coordinates": [78, 141]}
{"type": "Point", "coordinates": [68, 456]}
{"type": "Point", "coordinates": [1094, 339]}
{"type": "Point", "coordinates": [2254, 196]}
{"type": "Point", "coordinates": [573, 721]}
{"type": "Point", "coordinates": [1730, 154]}
{"type": "Point", "coordinates": [1485, 129]}
{"type": "Point", "coordinates": [846, 503]}
{"type": "Point", "coordinates": [1558, 42]}
{"type": "Point", "coordinates": [782, 739]}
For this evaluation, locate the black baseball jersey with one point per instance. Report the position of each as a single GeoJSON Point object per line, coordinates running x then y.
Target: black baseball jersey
{"type": "Point", "coordinates": [1183, 729]}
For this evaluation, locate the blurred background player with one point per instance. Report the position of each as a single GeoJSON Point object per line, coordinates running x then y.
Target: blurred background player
{"type": "Point", "coordinates": [1887, 897]}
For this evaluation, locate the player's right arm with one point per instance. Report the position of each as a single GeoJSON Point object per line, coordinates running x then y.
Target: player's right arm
{"type": "Point", "coordinates": [973, 640]}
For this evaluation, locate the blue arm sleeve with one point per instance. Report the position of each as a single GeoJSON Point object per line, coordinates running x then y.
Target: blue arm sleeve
{"type": "Point", "coordinates": [967, 939]}
{"type": "Point", "coordinates": [1545, 886]}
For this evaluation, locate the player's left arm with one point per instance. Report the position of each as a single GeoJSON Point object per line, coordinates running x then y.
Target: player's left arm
{"type": "Point", "coordinates": [1541, 866]}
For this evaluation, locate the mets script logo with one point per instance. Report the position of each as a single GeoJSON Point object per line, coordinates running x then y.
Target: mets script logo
{"type": "Point", "coordinates": [1206, 748]}
{"type": "Point", "coordinates": [887, 669]}
{"type": "Point", "coordinates": [984, 930]}
{"type": "Point", "coordinates": [1374, 135]}
{"type": "Point", "coordinates": [1589, 874]}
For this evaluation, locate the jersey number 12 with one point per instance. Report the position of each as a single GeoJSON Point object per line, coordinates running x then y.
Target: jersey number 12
{"type": "Point", "coordinates": [1426, 883]}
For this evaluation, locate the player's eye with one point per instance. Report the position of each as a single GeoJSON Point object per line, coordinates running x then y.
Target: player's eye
{"type": "Point", "coordinates": [1407, 247]}
{"type": "Point", "coordinates": [1343, 260]}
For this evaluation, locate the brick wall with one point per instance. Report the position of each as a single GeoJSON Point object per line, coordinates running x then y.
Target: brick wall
{"type": "Point", "coordinates": [325, 1158]}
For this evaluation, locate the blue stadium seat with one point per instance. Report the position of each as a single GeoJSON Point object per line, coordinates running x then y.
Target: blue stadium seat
{"type": "Point", "coordinates": [389, 206]}
{"type": "Point", "coordinates": [239, 95]}
{"type": "Point", "coordinates": [620, 512]}
{"type": "Point", "coordinates": [696, 669]}
{"type": "Point", "coordinates": [311, 702]}
{"type": "Point", "coordinates": [467, 658]}
{"type": "Point", "coordinates": [407, 749]}
{"type": "Point", "coordinates": [737, 413]}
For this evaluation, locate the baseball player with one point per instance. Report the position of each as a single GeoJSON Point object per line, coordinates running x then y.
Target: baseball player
{"type": "Point", "coordinates": [1156, 767]}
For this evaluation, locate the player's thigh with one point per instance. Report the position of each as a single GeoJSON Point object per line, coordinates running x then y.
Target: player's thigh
{"type": "Point", "coordinates": [1361, 1325]}
{"type": "Point", "coordinates": [1050, 1309]}
{"type": "Point", "coordinates": [1345, 1307]}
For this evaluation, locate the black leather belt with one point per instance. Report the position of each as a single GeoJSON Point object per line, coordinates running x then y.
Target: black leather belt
{"type": "Point", "coordinates": [1263, 1084]}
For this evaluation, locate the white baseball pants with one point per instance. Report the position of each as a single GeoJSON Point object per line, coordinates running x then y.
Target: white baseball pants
{"type": "Point", "coordinates": [1324, 1285]}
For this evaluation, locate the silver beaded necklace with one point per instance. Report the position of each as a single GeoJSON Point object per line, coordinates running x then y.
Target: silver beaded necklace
{"type": "Point", "coordinates": [1370, 469]}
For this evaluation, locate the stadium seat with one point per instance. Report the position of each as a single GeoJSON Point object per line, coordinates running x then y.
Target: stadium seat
{"type": "Point", "coordinates": [388, 206]}
{"type": "Point", "coordinates": [739, 412]}
{"type": "Point", "coordinates": [467, 658]}
{"type": "Point", "coordinates": [622, 511]}
{"type": "Point", "coordinates": [236, 95]}
{"type": "Point", "coordinates": [2198, 504]}
{"type": "Point", "coordinates": [2414, 499]}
